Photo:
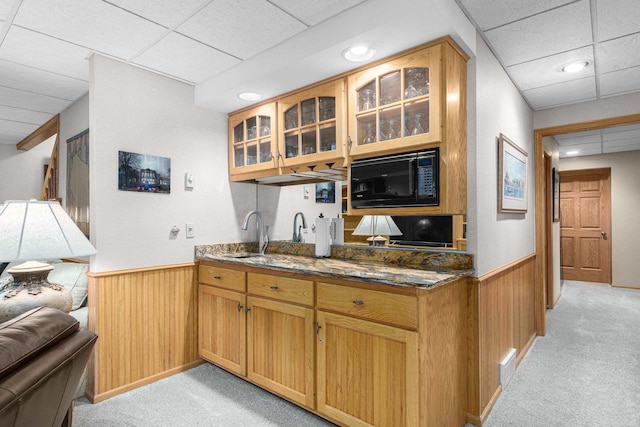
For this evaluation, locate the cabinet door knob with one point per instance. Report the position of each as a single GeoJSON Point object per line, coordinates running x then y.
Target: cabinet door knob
{"type": "Point", "coordinates": [358, 302]}
{"type": "Point", "coordinates": [275, 288]}
{"type": "Point", "coordinates": [247, 309]}
{"type": "Point", "coordinates": [239, 307]}
{"type": "Point", "coordinates": [217, 277]}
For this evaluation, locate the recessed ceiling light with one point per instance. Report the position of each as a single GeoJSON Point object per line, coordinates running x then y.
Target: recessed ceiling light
{"type": "Point", "coordinates": [249, 96]}
{"type": "Point", "coordinates": [576, 66]}
{"type": "Point", "coordinates": [358, 53]}
{"type": "Point", "coordinates": [572, 152]}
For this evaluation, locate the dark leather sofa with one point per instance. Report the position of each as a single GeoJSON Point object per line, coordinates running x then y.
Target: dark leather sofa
{"type": "Point", "coordinates": [43, 353]}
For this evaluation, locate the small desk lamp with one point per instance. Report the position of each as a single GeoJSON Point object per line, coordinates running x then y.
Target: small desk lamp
{"type": "Point", "coordinates": [377, 226]}
{"type": "Point", "coordinates": [33, 230]}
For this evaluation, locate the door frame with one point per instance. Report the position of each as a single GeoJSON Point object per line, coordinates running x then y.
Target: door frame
{"type": "Point", "coordinates": [540, 182]}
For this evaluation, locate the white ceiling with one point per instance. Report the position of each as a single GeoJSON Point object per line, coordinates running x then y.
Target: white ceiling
{"type": "Point", "coordinates": [220, 46]}
{"type": "Point", "coordinates": [224, 47]}
{"type": "Point", "coordinates": [534, 39]}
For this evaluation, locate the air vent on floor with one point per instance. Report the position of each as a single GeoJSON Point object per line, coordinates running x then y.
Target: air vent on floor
{"type": "Point", "coordinates": [507, 368]}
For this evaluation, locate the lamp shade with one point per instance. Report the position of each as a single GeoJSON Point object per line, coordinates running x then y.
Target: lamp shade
{"type": "Point", "coordinates": [371, 225]}
{"type": "Point", "coordinates": [35, 230]}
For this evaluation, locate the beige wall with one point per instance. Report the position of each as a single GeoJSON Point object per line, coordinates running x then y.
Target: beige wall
{"type": "Point", "coordinates": [625, 205]}
{"type": "Point", "coordinates": [551, 147]}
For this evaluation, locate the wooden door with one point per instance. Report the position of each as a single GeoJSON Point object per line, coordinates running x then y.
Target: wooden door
{"type": "Point", "coordinates": [222, 328]}
{"type": "Point", "coordinates": [280, 349]}
{"type": "Point", "coordinates": [585, 225]}
{"type": "Point", "coordinates": [367, 372]}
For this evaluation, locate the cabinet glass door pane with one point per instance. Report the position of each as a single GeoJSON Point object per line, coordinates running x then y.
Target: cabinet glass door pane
{"type": "Point", "coordinates": [252, 130]}
{"type": "Point", "coordinates": [328, 137]}
{"type": "Point", "coordinates": [390, 120]}
{"type": "Point", "coordinates": [416, 117]}
{"type": "Point", "coordinates": [309, 142]}
{"type": "Point", "coordinates": [238, 156]}
{"type": "Point", "coordinates": [390, 88]}
{"type": "Point", "coordinates": [265, 151]}
{"type": "Point", "coordinates": [252, 154]}
{"type": "Point", "coordinates": [291, 145]}
{"type": "Point", "coordinates": [416, 82]}
{"type": "Point", "coordinates": [291, 118]}
{"type": "Point", "coordinates": [265, 126]}
{"type": "Point", "coordinates": [366, 130]}
{"type": "Point", "coordinates": [367, 97]}
{"type": "Point", "coordinates": [308, 112]}
{"type": "Point", "coordinates": [238, 133]}
{"type": "Point", "coordinates": [327, 108]}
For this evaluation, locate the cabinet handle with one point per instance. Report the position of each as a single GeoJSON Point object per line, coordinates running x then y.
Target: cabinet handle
{"type": "Point", "coordinates": [247, 309]}
{"type": "Point", "coordinates": [317, 327]}
{"type": "Point", "coordinates": [358, 302]}
{"type": "Point", "coordinates": [217, 277]}
{"type": "Point", "coordinates": [239, 307]}
{"type": "Point", "coordinates": [349, 143]}
{"type": "Point", "coordinates": [275, 288]}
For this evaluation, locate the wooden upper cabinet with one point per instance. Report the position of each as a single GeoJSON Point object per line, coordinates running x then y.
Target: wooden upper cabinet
{"type": "Point", "coordinates": [253, 142]}
{"type": "Point", "coordinates": [396, 105]}
{"type": "Point", "coordinates": [311, 126]}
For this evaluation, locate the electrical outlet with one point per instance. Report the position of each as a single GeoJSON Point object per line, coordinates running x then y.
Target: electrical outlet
{"type": "Point", "coordinates": [191, 233]}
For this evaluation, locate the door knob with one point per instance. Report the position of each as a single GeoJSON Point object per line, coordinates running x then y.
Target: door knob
{"type": "Point", "coordinates": [603, 233]}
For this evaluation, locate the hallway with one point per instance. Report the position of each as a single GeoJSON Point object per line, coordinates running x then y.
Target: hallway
{"type": "Point", "coordinates": [586, 370]}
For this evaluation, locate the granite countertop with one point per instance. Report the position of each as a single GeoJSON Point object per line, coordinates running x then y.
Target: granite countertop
{"type": "Point", "coordinates": [334, 268]}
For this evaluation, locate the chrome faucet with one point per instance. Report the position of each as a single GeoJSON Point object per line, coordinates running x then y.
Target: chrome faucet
{"type": "Point", "coordinates": [261, 230]}
{"type": "Point", "coordinates": [297, 233]}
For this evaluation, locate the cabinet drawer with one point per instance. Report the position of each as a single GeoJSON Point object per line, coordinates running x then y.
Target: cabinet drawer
{"type": "Point", "coordinates": [282, 288]}
{"type": "Point", "coordinates": [401, 310]}
{"type": "Point", "coordinates": [223, 277]}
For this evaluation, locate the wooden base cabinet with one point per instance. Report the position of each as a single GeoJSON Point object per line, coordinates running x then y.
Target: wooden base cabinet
{"type": "Point", "coordinates": [367, 372]}
{"type": "Point", "coordinates": [280, 348]}
{"type": "Point", "coordinates": [222, 328]}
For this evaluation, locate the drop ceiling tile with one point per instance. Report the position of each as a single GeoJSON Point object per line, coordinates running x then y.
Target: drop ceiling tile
{"type": "Point", "coordinates": [241, 28]}
{"type": "Point", "coordinates": [617, 18]}
{"type": "Point", "coordinates": [625, 142]}
{"type": "Point", "coordinates": [24, 116]}
{"type": "Point", "coordinates": [548, 70]}
{"type": "Point", "coordinates": [185, 58]}
{"type": "Point", "coordinates": [11, 138]}
{"type": "Point", "coordinates": [5, 8]}
{"type": "Point", "coordinates": [17, 127]}
{"type": "Point", "coordinates": [37, 50]}
{"type": "Point", "coordinates": [32, 101]}
{"type": "Point", "coordinates": [619, 54]}
{"type": "Point", "coordinates": [558, 30]}
{"type": "Point", "coordinates": [621, 148]}
{"type": "Point", "coordinates": [583, 150]}
{"type": "Point", "coordinates": [165, 12]}
{"type": "Point", "coordinates": [314, 12]}
{"type": "Point", "coordinates": [493, 13]}
{"type": "Point", "coordinates": [622, 133]}
{"type": "Point", "coordinates": [562, 93]}
{"type": "Point", "coordinates": [43, 82]}
{"type": "Point", "coordinates": [93, 24]}
{"type": "Point", "coordinates": [578, 138]}
{"type": "Point", "coordinates": [619, 82]}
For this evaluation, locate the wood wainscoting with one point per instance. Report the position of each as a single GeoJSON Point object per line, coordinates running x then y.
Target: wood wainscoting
{"type": "Point", "coordinates": [501, 316]}
{"type": "Point", "coordinates": [147, 326]}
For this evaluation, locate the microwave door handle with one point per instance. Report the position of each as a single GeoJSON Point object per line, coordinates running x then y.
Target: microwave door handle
{"type": "Point", "coordinates": [413, 177]}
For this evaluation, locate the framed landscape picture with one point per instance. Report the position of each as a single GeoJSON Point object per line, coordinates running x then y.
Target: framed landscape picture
{"type": "Point", "coordinates": [556, 195]}
{"type": "Point", "coordinates": [512, 177]}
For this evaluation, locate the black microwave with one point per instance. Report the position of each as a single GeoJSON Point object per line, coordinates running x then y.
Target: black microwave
{"type": "Point", "coordinates": [400, 180]}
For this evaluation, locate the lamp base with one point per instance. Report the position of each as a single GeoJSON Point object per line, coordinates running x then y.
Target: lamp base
{"type": "Point", "coordinates": [29, 289]}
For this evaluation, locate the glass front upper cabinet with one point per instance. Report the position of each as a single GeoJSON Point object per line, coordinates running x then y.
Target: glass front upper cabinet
{"type": "Point", "coordinates": [395, 104]}
{"type": "Point", "coordinates": [252, 140]}
{"type": "Point", "coordinates": [311, 125]}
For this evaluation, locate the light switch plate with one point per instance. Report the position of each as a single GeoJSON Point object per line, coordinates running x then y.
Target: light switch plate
{"type": "Point", "coordinates": [305, 191]}
{"type": "Point", "coordinates": [191, 233]}
{"type": "Point", "coordinates": [189, 180]}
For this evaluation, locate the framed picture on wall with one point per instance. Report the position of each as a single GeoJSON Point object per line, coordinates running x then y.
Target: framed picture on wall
{"type": "Point", "coordinates": [512, 177]}
{"type": "Point", "coordinates": [556, 195]}
{"type": "Point", "coordinates": [144, 173]}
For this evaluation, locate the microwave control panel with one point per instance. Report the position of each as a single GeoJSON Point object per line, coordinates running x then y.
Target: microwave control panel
{"type": "Point", "coordinates": [427, 176]}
